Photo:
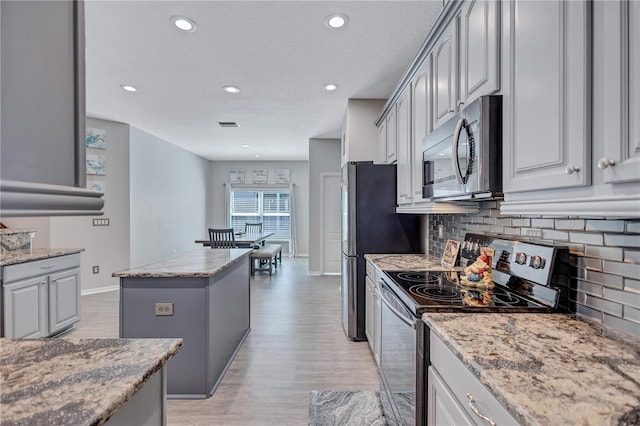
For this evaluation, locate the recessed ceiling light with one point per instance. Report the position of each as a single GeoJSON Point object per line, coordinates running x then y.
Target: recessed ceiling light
{"type": "Point", "coordinates": [257, 155]}
{"type": "Point", "coordinates": [336, 20]}
{"type": "Point", "coordinates": [330, 87]}
{"type": "Point", "coordinates": [184, 24]}
{"type": "Point", "coordinates": [231, 89]}
{"type": "Point", "coordinates": [244, 145]}
{"type": "Point", "coordinates": [128, 87]}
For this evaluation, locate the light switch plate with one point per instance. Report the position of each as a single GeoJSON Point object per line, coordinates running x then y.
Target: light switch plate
{"type": "Point", "coordinates": [164, 309]}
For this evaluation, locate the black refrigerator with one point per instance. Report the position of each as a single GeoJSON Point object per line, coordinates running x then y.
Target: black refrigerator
{"type": "Point", "coordinates": [370, 225]}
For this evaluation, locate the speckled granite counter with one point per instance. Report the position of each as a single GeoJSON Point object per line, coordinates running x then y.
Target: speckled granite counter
{"type": "Point", "coordinates": [200, 263]}
{"type": "Point", "coordinates": [75, 381]}
{"type": "Point", "coordinates": [20, 256]}
{"type": "Point", "coordinates": [547, 369]}
{"type": "Point", "coordinates": [407, 262]}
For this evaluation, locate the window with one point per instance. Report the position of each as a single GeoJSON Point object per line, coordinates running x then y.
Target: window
{"type": "Point", "coordinates": [269, 207]}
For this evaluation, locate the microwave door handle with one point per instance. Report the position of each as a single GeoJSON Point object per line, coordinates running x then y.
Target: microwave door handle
{"type": "Point", "coordinates": [454, 150]}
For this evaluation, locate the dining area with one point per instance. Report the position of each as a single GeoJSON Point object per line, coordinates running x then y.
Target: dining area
{"type": "Point", "coordinates": [263, 258]}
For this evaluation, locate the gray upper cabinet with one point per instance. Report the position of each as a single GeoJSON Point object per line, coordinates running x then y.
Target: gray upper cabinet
{"type": "Point", "coordinates": [403, 147]}
{"type": "Point", "coordinates": [445, 74]}
{"type": "Point", "coordinates": [548, 111]}
{"type": "Point", "coordinates": [43, 110]}
{"type": "Point", "coordinates": [479, 50]}
{"type": "Point", "coordinates": [620, 161]}
{"type": "Point", "coordinates": [421, 124]}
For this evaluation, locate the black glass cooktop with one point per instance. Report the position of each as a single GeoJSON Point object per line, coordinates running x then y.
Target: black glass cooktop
{"type": "Point", "coordinates": [435, 291]}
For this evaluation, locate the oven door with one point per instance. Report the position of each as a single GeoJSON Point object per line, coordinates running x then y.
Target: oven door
{"type": "Point", "coordinates": [450, 161]}
{"type": "Point", "coordinates": [398, 356]}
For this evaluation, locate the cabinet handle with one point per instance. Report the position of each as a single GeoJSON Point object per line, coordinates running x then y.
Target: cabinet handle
{"type": "Point", "coordinates": [48, 266]}
{"type": "Point", "coordinates": [603, 163]}
{"type": "Point", "coordinates": [451, 111]}
{"type": "Point", "coordinates": [571, 169]}
{"type": "Point", "coordinates": [460, 103]}
{"type": "Point", "coordinates": [472, 404]}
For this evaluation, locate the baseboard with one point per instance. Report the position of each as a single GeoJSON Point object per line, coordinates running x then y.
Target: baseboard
{"type": "Point", "coordinates": [333, 273]}
{"type": "Point", "coordinates": [314, 273]}
{"type": "Point", "coordinates": [99, 290]}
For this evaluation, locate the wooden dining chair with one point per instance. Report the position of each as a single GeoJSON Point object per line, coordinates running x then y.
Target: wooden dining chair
{"type": "Point", "coordinates": [222, 238]}
{"type": "Point", "coordinates": [253, 228]}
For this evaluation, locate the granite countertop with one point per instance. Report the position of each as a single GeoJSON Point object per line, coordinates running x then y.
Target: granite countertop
{"type": "Point", "coordinates": [21, 256]}
{"type": "Point", "coordinates": [548, 368]}
{"type": "Point", "coordinates": [200, 263]}
{"type": "Point", "coordinates": [408, 262]}
{"type": "Point", "coordinates": [75, 381]}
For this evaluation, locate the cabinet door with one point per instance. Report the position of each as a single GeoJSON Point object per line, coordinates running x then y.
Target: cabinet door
{"type": "Point", "coordinates": [25, 309]}
{"type": "Point", "coordinates": [43, 118]}
{"type": "Point", "coordinates": [443, 408]}
{"type": "Point", "coordinates": [382, 141]}
{"type": "Point", "coordinates": [479, 52]}
{"type": "Point", "coordinates": [445, 74]}
{"type": "Point", "coordinates": [377, 325]}
{"type": "Point", "coordinates": [403, 144]}
{"type": "Point", "coordinates": [392, 136]}
{"type": "Point", "coordinates": [64, 299]}
{"type": "Point", "coordinates": [421, 120]}
{"type": "Point", "coordinates": [621, 160]}
{"type": "Point", "coordinates": [547, 113]}
{"type": "Point", "coordinates": [369, 312]}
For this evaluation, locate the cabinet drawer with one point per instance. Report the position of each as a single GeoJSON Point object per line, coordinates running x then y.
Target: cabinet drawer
{"type": "Point", "coordinates": [370, 269]}
{"type": "Point", "coordinates": [39, 267]}
{"type": "Point", "coordinates": [462, 383]}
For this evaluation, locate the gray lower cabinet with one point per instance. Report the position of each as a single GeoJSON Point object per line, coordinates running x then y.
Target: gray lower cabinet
{"type": "Point", "coordinates": [37, 304]}
{"type": "Point", "coordinates": [456, 396]}
{"type": "Point", "coordinates": [211, 314]}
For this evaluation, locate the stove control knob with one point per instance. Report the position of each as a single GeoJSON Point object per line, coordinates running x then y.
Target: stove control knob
{"type": "Point", "coordinates": [537, 262]}
{"type": "Point", "coordinates": [521, 258]}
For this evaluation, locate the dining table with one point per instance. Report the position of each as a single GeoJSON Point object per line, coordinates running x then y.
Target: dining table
{"type": "Point", "coordinates": [244, 239]}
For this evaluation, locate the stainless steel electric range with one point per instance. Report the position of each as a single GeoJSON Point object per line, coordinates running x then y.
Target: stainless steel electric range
{"type": "Point", "coordinates": [529, 277]}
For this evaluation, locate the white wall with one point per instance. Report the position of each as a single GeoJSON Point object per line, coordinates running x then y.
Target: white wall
{"type": "Point", "coordinates": [299, 176]}
{"type": "Point", "coordinates": [168, 198]}
{"type": "Point", "coordinates": [324, 157]}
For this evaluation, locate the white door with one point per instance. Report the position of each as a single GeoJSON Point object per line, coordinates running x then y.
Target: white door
{"type": "Point", "coordinates": [331, 223]}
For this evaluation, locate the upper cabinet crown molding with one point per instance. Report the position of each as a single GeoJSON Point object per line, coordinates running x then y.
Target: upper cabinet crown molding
{"type": "Point", "coordinates": [43, 162]}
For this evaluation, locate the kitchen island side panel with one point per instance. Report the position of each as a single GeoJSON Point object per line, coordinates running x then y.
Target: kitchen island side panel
{"type": "Point", "coordinates": [229, 316]}
{"type": "Point", "coordinates": [138, 297]}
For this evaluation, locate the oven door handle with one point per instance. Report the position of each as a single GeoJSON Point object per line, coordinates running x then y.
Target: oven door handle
{"type": "Point", "coordinates": [404, 319]}
{"type": "Point", "coordinates": [462, 124]}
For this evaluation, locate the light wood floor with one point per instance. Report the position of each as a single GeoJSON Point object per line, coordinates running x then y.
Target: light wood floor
{"type": "Point", "coordinates": [296, 345]}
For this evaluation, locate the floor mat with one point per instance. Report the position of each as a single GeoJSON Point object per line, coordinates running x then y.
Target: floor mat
{"type": "Point", "coordinates": [352, 408]}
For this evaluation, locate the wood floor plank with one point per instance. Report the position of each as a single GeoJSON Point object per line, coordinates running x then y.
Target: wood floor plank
{"type": "Point", "coordinates": [296, 345]}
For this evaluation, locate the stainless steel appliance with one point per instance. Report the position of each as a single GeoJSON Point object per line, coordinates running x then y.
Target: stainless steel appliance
{"type": "Point", "coordinates": [370, 224]}
{"type": "Point", "coordinates": [529, 278]}
{"type": "Point", "coordinates": [462, 158]}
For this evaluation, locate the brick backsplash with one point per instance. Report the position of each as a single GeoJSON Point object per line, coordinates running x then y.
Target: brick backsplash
{"type": "Point", "coordinates": [604, 256]}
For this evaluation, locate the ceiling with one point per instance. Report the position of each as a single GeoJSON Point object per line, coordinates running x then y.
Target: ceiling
{"type": "Point", "coordinates": [279, 53]}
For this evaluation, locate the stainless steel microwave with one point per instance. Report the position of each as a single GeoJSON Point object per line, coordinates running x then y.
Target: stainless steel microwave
{"type": "Point", "coordinates": [462, 159]}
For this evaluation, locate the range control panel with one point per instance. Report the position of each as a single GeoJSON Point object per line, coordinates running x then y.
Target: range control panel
{"type": "Point", "coordinates": [529, 261]}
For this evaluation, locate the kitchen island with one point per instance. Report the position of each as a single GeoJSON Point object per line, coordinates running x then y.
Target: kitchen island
{"type": "Point", "coordinates": [84, 381]}
{"type": "Point", "coordinates": [201, 296]}
{"type": "Point", "coordinates": [546, 368]}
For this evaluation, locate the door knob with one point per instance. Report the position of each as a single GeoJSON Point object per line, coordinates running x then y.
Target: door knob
{"type": "Point", "coordinates": [571, 169]}
{"type": "Point", "coordinates": [603, 163]}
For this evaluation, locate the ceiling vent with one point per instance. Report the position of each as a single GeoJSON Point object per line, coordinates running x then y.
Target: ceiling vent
{"type": "Point", "coordinates": [227, 124]}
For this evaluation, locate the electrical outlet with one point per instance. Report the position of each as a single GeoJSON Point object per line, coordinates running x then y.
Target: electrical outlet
{"type": "Point", "coordinates": [96, 269]}
{"type": "Point", "coordinates": [440, 231]}
{"type": "Point", "coordinates": [164, 309]}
